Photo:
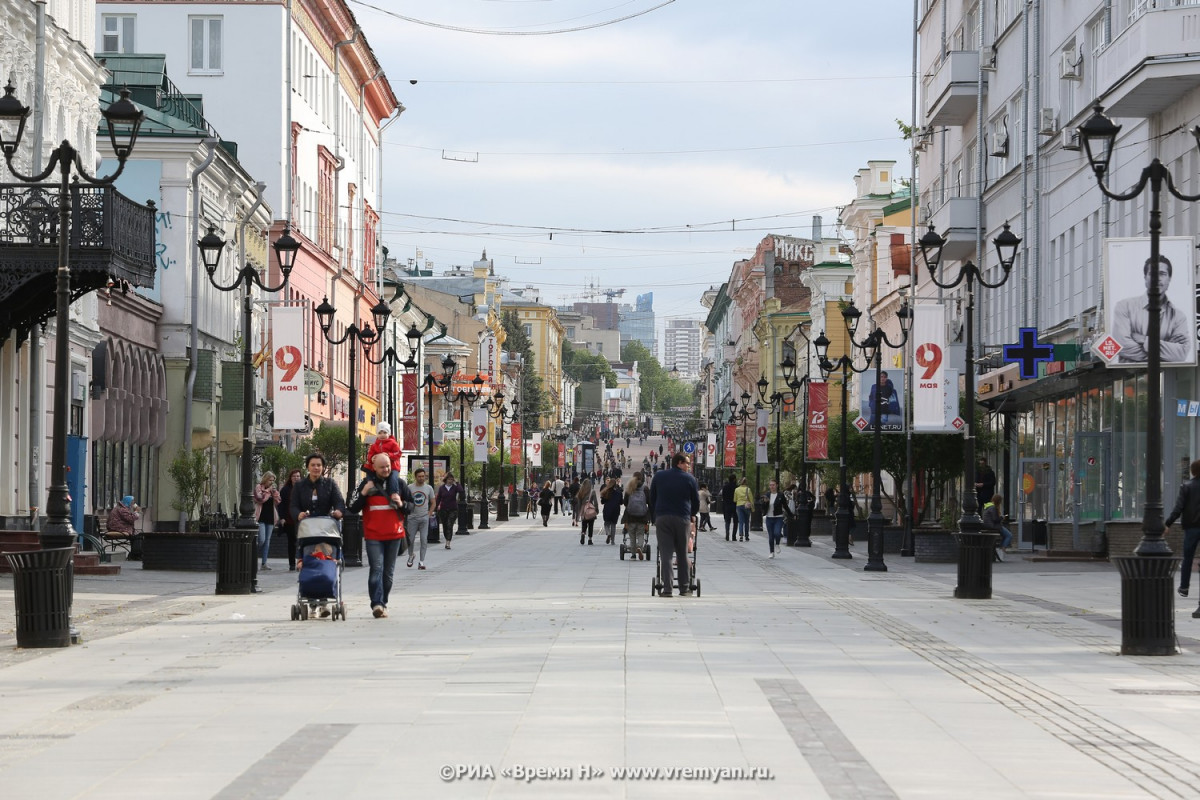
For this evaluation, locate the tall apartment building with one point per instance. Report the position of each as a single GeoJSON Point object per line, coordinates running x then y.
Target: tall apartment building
{"type": "Point", "coordinates": [681, 348]}
{"type": "Point", "coordinates": [1003, 93]}
{"type": "Point", "coordinates": [637, 322]}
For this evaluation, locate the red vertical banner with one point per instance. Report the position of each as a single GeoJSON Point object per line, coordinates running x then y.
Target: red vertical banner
{"type": "Point", "coordinates": [562, 454]}
{"type": "Point", "coordinates": [818, 421]}
{"type": "Point", "coordinates": [731, 445]}
{"type": "Point", "coordinates": [408, 413]}
{"type": "Point", "coordinates": [515, 446]}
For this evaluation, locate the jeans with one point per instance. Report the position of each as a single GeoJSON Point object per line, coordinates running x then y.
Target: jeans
{"type": "Point", "coordinates": [774, 531]}
{"type": "Point", "coordinates": [672, 540]}
{"type": "Point", "coordinates": [1005, 538]}
{"type": "Point", "coordinates": [417, 529]}
{"type": "Point", "coordinates": [264, 540]}
{"type": "Point", "coordinates": [730, 521]}
{"type": "Point", "coordinates": [1191, 538]}
{"type": "Point", "coordinates": [744, 521]}
{"type": "Point", "coordinates": [705, 521]}
{"type": "Point", "coordinates": [381, 555]}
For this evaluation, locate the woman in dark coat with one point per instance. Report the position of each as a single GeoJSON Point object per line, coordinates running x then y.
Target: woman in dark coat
{"type": "Point", "coordinates": [285, 516]}
{"type": "Point", "coordinates": [611, 498]}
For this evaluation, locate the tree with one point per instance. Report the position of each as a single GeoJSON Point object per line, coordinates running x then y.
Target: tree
{"type": "Point", "coordinates": [331, 442]}
{"type": "Point", "coordinates": [189, 472]}
{"type": "Point", "coordinates": [659, 390]}
{"type": "Point", "coordinates": [582, 365]}
{"type": "Point", "coordinates": [281, 461]}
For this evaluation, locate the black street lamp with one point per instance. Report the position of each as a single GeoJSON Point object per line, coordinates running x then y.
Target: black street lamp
{"type": "Point", "coordinates": [1146, 574]}
{"type": "Point", "coordinates": [841, 530]}
{"type": "Point", "coordinates": [872, 347]}
{"type": "Point", "coordinates": [429, 384]}
{"type": "Point", "coordinates": [123, 120]}
{"type": "Point", "coordinates": [356, 335]}
{"type": "Point", "coordinates": [804, 512]}
{"type": "Point", "coordinates": [496, 410]}
{"type": "Point", "coordinates": [466, 399]}
{"type": "Point", "coordinates": [778, 401]}
{"type": "Point", "coordinates": [211, 247]}
{"type": "Point", "coordinates": [975, 547]}
{"type": "Point", "coordinates": [742, 417]}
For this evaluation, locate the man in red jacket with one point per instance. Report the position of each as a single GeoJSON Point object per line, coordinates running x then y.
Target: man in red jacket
{"type": "Point", "coordinates": [383, 534]}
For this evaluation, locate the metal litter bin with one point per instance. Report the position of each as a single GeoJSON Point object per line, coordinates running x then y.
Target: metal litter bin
{"type": "Point", "coordinates": [235, 560]}
{"type": "Point", "coordinates": [42, 587]}
{"type": "Point", "coordinates": [1147, 604]}
{"type": "Point", "coordinates": [975, 552]}
{"type": "Point", "coordinates": [352, 540]}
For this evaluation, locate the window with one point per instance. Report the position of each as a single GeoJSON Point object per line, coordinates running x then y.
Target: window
{"type": "Point", "coordinates": [326, 209]}
{"type": "Point", "coordinates": [570, 331]}
{"type": "Point", "coordinates": [205, 36]}
{"type": "Point", "coordinates": [117, 33]}
{"type": "Point", "coordinates": [528, 330]}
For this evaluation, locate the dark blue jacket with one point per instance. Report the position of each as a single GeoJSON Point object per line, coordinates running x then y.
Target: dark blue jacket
{"type": "Point", "coordinates": [673, 493]}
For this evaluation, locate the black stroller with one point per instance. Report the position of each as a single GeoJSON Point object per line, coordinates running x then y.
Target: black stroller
{"type": "Point", "coordinates": [656, 585]}
{"type": "Point", "coordinates": [319, 582]}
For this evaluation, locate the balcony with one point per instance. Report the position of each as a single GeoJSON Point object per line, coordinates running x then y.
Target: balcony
{"type": "Point", "coordinates": [112, 241]}
{"type": "Point", "coordinates": [957, 220]}
{"type": "Point", "coordinates": [1153, 62]}
{"type": "Point", "coordinates": [952, 93]}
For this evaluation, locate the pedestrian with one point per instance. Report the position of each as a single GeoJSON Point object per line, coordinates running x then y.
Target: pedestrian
{"type": "Point", "coordinates": [705, 503]}
{"type": "Point", "coordinates": [728, 506]}
{"type": "Point", "coordinates": [417, 523]}
{"type": "Point", "coordinates": [383, 530]}
{"type": "Point", "coordinates": [285, 516]}
{"type": "Point", "coordinates": [316, 496]}
{"type": "Point", "coordinates": [546, 499]}
{"type": "Point", "coordinates": [637, 512]}
{"type": "Point", "coordinates": [674, 498]}
{"type": "Point", "coordinates": [775, 511]}
{"type": "Point", "coordinates": [1187, 507]}
{"type": "Point", "coordinates": [611, 497]}
{"type": "Point", "coordinates": [587, 500]}
{"type": "Point", "coordinates": [559, 487]}
{"type": "Point", "coordinates": [572, 492]}
{"type": "Point", "coordinates": [387, 444]}
{"type": "Point", "coordinates": [266, 502]}
{"type": "Point", "coordinates": [993, 520]}
{"type": "Point", "coordinates": [744, 500]}
{"type": "Point", "coordinates": [985, 483]}
{"type": "Point", "coordinates": [830, 501]}
{"type": "Point", "coordinates": [446, 505]}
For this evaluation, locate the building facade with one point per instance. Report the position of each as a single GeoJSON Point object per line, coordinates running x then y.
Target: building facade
{"type": "Point", "coordinates": [681, 348]}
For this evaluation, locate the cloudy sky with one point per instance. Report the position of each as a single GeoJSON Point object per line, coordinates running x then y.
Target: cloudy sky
{"type": "Point", "coordinates": [647, 154]}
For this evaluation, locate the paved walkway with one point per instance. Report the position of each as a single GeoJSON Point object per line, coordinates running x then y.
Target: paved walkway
{"type": "Point", "coordinates": [520, 650]}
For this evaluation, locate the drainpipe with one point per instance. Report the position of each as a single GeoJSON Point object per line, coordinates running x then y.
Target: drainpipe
{"type": "Point", "coordinates": [36, 381]}
{"type": "Point", "coordinates": [287, 133]}
{"type": "Point", "coordinates": [1036, 239]}
{"type": "Point", "coordinates": [194, 341]}
{"type": "Point", "coordinates": [362, 195]}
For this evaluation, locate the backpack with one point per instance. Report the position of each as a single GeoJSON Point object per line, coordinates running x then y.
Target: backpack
{"type": "Point", "coordinates": [637, 503]}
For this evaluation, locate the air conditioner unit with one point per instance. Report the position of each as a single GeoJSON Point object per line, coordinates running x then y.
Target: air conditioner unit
{"type": "Point", "coordinates": [998, 145]}
{"type": "Point", "coordinates": [1047, 122]}
{"type": "Point", "coordinates": [1070, 139]}
{"type": "Point", "coordinates": [1070, 65]}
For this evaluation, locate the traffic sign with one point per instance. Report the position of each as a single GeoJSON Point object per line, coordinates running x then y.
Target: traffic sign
{"type": "Point", "coordinates": [689, 447]}
{"type": "Point", "coordinates": [861, 424]}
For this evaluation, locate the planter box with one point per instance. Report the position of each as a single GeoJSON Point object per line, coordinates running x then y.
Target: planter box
{"type": "Point", "coordinates": [1124, 536]}
{"type": "Point", "coordinates": [822, 525]}
{"type": "Point", "coordinates": [184, 552]}
{"type": "Point", "coordinates": [893, 538]}
{"type": "Point", "coordinates": [934, 546]}
{"type": "Point", "coordinates": [1062, 538]}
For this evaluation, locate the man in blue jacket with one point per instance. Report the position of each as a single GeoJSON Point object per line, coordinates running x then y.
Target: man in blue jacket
{"type": "Point", "coordinates": [674, 503]}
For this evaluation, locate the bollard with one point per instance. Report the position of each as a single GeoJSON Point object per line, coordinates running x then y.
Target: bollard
{"type": "Point", "coordinates": [235, 560]}
{"type": "Point", "coordinates": [42, 593]}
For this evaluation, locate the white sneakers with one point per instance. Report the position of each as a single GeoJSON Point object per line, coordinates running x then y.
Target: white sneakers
{"type": "Point", "coordinates": [771, 556]}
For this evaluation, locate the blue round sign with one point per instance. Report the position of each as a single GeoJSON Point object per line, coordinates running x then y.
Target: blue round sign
{"type": "Point", "coordinates": [689, 447]}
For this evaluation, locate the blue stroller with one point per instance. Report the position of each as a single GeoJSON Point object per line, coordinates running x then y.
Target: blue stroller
{"type": "Point", "coordinates": [319, 585]}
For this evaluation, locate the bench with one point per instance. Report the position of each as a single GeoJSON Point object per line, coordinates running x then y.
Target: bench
{"type": "Point", "coordinates": [107, 543]}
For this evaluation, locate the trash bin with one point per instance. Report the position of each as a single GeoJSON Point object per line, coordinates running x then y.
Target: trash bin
{"type": "Point", "coordinates": [514, 504]}
{"type": "Point", "coordinates": [235, 560]}
{"type": "Point", "coordinates": [1040, 529]}
{"type": "Point", "coordinates": [352, 540]}
{"type": "Point", "coordinates": [975, 552]}
{"type": "Point", "coordinates": [42, 587]}
{"type": "Point", "coordinates": [1147, 604]}
{"type": "Point", "coordinates": [434, 535]}
{"type": "Point", "coordinates": [466, 519]}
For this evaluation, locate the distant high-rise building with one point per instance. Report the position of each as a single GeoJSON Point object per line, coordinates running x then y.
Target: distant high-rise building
{"type": "Point", "coordinates": [637, 322]}
{"type": "Point", "coordinates": [681, 347]}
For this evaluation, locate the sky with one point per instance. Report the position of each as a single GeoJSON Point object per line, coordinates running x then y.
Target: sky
{"type": "Point", "coordinates": [630, 144]}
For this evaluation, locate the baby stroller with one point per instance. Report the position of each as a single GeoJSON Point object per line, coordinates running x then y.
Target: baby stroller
{"type": "Point", "coordinates": [319, 585]}
{"type": "Point", "coordinates": [656, 585]}
{"type": "Point", "coordinates": [627, 548]}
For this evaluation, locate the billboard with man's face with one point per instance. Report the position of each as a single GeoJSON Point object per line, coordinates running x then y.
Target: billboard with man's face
{"type": "Point", "coordinates": [1126, 313]}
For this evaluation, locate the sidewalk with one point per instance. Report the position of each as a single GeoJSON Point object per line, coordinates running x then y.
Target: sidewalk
{"type": "Point", "coordinates": [520, 650]}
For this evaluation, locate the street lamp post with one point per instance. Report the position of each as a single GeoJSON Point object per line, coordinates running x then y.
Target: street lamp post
{"type": "Point", "coordinates": [975, 547]}
{"type": "Point", "coordinates": [872, 347]}
{"type": "Point", "coordinates": [841, 530]}
{"type": "Point", "coordinates": [742, 417]}
{"type": "Point", "coordinates": [123, 120]}
{"type": "Point", "coordinates": [466, 399]}
{"type": "Point", "coordinates": [365, 336]}
{"type": "Point", "coordinates": [778, 401]}
{"type": "Point", "coordinates": [431, 382]}
{"type": "Point", "coordinates": [497, 411]}
{"type": "Point", "coordinates": [1147, 605]}
{"type": "Point", "coordinates": [804, 513]}
{"type": "Point", "coordinates": [286, 248]}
